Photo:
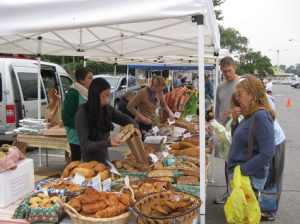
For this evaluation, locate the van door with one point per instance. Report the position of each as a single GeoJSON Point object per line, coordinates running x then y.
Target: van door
{"type": "Point", "coordinates": [2, 107]}
{"type": "Point", "coordinates": [27, 82]}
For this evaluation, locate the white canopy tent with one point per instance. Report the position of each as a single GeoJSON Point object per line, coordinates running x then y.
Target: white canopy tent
{"type": "Point", "coordinates": [115, 30]}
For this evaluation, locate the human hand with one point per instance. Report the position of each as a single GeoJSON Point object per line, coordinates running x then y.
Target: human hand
{"type": "Point", "coordinates": [115, 141]}
{"type": "Point", "coordinates": [236, 112]}
{"type": "Point", "coordinates": [143, 119]}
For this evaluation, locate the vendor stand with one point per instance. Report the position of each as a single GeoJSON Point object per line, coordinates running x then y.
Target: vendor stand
{"type": "Point", "coordinates": [103, 33]}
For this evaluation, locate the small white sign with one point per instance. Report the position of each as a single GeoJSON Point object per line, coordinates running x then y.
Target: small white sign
{"type": "Point", "coordinates": [187, 135]}
{"type": "Point", "coordinates": [155, 130]}
{"type": "Point", "coordinates": [78, 179]}
{"type": "Point", "coordinates": [97, 183]}
{"type": "Point", "coordinates": [153, 157]}
{"type": "Point", "coordinates": [165, 154]}
{"type": "Point", "coordinates": [106, 185]}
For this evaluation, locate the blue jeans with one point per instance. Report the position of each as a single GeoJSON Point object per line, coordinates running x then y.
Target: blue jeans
{"type": "Point", "coordinates": [258, 184]}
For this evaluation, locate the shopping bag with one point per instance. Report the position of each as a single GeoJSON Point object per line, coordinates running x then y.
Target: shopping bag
{"type": "Point", "coordinates": [242, 206]}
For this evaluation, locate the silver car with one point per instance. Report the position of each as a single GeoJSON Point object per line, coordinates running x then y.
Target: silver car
{"type": "Point", "coordinates": [118, 85]}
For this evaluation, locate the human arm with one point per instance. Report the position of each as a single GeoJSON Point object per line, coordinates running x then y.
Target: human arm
{"type": "Point", "coordinates": [217, 106]}
{"type": "Point", "coordinates": [132, 107]}
{"type": "Point", "coordinates": [264, 138]}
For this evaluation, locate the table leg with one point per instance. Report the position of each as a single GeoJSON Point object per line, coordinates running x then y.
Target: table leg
{"type": "Point", "coordinates": [46, 157]}
{"type": "Point", "coordinates": [40, 156]}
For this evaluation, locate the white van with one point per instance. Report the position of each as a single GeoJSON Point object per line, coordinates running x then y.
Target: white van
{"type": "Point", "coordinates": [18, 89]}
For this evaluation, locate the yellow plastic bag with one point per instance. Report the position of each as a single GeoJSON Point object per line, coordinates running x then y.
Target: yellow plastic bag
{"type": "Point", "coordinates": [242, 206]}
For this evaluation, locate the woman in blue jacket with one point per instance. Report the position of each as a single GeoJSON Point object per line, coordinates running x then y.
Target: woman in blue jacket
{"type": "Point", "coordinates": [253, 142]}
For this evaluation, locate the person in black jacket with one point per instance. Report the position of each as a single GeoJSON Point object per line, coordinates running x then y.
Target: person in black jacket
{"type": "Point", "coordinates": [94, 122]}
{"type": "Point", "coordinates": [122, 104]}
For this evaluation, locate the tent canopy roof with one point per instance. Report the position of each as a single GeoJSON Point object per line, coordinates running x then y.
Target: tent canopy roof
{"type": "Point", "coordinates": [110, 30]}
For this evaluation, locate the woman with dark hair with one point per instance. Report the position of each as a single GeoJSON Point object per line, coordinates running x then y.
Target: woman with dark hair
{"type": "Point", "coordinates": [73, 99]}
{"type": "Point", "coordinates": [94, 122]}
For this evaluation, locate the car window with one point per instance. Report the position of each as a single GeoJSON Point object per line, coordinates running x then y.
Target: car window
{"type": "Point", "coordinates": [49, 78]}
{"type": "Point", "coordinates": [1, 87]}
{"type": "Point", "coordinates": [66, 83]}
{"type": "Point", "coordinates": [131, 81]}
{"type": "Point", "coordinates": [123, 83]}
{"type": "Point", "coordinates": [28, 82]}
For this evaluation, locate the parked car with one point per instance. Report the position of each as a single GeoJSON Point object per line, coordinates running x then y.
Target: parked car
{"type": "Point", "coordinates": [119, 87]}
{"type": "Point", "coordinates": [296, 84]}
{"type": "Point", "coordinates": [18, 89]}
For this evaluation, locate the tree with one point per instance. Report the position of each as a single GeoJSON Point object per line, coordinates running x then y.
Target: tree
{"type": "Point", "coordinates": [291, 69]}
{"type": "Point", "coordinates": [218, 11]}
{"type": "Point", "coordinates": [298, 69]}
{"type": "Point", "coordinates": [282, 67]}
{"type": "Point", "coordinates": [232, 40]}
{"type": "Point", "coordinates": [253, 62]}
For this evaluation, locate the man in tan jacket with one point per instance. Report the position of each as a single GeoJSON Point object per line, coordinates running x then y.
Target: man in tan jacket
{"type": "Point", "coordinates": [145, 105]}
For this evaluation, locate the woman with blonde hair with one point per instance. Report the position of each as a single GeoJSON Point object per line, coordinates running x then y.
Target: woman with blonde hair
{"type": "Point", "coordinates": [253, 142]}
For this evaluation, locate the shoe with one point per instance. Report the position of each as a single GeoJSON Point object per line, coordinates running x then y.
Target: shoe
{"type": "Point", "coordinates": [268, 217]}
{"type": "Point", "coordinates": [221, 199]}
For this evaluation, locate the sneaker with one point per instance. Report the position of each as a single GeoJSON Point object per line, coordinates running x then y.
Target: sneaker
{"type": "Point", "coordinates": [268, 217]}
{"type": "Point", "coordinates": [221, 199]}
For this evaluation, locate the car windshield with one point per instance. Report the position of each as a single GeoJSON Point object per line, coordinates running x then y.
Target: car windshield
{"type": "Point", "coordinates": [113, 81]}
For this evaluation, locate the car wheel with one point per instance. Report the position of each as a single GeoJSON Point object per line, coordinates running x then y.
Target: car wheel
{"type": "Point", "coordinates": [297, 86]}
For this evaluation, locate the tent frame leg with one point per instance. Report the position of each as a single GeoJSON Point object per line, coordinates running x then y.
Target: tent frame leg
{"type": "Point", "coordinates": [199, 19]}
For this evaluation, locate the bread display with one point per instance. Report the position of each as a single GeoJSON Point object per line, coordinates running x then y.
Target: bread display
{"type": "Point", "coordinates": [87, 170]}
{"type": "Point", "coordinates": [62, 185]}
{"type": "Point", "coordinates": [42, 201]}
{"type": "Point", "coordinates": [146, 187]}
{"type": "Point", "coordinates": [96, 204]}
{"type": "Point", "coordinates": [163, 207]}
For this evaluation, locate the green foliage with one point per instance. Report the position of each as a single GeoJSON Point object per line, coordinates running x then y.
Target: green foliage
{"type": "Point", "coordinates": [232, 40]}
{"type": "Point", "coordinates": [253, 62]}
{"type": "Point", "coordinates": [218, 12]}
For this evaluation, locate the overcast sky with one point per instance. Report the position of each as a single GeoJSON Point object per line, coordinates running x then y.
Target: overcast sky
{"type": "Point", "coordinates": [268, 24]}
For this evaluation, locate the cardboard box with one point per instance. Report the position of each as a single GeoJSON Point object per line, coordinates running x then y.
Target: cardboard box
{"type": "Point", "coordinates": [16, 184]}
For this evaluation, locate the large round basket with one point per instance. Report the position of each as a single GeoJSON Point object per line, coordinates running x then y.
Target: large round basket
{"type": "Point", "coordinates": [186, 217]}
{"type": "Point", "coordinates": [79, 219]}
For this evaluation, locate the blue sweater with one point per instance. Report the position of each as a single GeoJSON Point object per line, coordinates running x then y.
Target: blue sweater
{"type": "Point", "coordinates": [264, 145]}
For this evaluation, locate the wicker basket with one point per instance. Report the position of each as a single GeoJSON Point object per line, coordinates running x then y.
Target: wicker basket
{"type": "Point", "coordinates": [79, 219]}
{"type": "Point", "coordinates": [187, 217]}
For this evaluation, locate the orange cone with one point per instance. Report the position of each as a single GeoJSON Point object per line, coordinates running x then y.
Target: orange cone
{"type": "Point", "coordinates": [289, 103]}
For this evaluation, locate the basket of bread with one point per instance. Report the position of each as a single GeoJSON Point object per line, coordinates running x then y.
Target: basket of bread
{"type": "Point", "coordinates": [88, 170]}
{"type": "Point", "coordinates": [93, 207]}
{"type": "Point", "coordinates": [40, 207]}
{"type": "Point", "coordinates": [167, 207]}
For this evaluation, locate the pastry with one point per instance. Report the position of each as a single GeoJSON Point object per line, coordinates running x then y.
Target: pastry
{"type": "Point", "coordinates": [76, 204]}
{"type": "Point", "coordinates": [86, 165]}
{"type": "Point", "coordinates": [69, 168]}
{"type": "Point", "coordinates": [100, 167]}
{"type": "Point", "coordinates": [104, 175]}
{"type": "Point", "coordinates": [87, 173]}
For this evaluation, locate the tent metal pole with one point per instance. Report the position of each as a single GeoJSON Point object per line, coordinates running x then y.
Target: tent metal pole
{"type": "Point", "coordinates": [84, 62]}
{"type": "Point", "coordinates": [39, 115]}
{"type": "Point", "coordinates": [200, 22]}
{"type": "Point", "coordinates": [127, 78]}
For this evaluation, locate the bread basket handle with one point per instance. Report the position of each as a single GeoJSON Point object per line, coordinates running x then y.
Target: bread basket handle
{"type": "Point", "coordinates": [131, 191]}
{"type": "Point", "coordinates": [70, 208]}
